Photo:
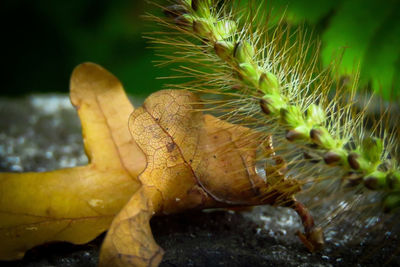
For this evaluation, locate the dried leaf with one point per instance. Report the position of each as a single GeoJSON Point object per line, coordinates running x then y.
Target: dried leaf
{"type": "Point", "coordinates": [129, 241]}
{"type": "Point", "coordinates": [76, 204]}
{"type": "Point", "coordinates": [193, 161]}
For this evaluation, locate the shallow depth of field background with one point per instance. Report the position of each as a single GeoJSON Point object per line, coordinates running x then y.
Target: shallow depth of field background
{"type": "Point", "coordinates": [44, 40]}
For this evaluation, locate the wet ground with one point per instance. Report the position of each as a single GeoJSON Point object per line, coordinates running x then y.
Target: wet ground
{"type": "Point", "coordinates": [40, 133]}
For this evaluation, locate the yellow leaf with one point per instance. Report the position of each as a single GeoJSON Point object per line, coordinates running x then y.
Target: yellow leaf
{"type": "Point", "coordinates": [76, 204]}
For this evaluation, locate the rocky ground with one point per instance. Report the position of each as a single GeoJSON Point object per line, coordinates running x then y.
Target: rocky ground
{"type": "Point", "coordinates": [40, 133]}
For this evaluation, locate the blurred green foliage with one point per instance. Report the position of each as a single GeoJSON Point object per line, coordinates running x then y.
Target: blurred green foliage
{"type": "Point", "coordinates": [44, 40]}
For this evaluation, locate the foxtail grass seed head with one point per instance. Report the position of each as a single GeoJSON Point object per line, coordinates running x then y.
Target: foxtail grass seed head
{"type": "Point", "coordinates": [262, 76]}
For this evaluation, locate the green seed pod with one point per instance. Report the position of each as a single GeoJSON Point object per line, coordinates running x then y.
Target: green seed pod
{"type": "Point", "coordinates": [352, 159]}
{"type": "Point", "coordinates": [321, 137]}
{"type": "Point", "coordinates": [292, 135]}
{"type": "Point", "coordinates": [375, 180]}
{"type": "Point", "coordinates": [224, 50]}
{"type": "Point", "coordinates": [224, 29]}
{"type": "Point", "coordinates": [372, 149]}
{"type": "Point", "coordinates": [272, 104]}
{"type": "Point", "coordinates": [299, 133]}
{"type": "Point", "coordinates": [332, 157]}
{"type": "Point", "coordinates": [244, 52]}
{"type": "Point", "coordinates": [292, 116]}
{"type": "Point", "coordinates": [202, 28]}
{"type": "Point", "coordinates": [357, 161]}
{"type": "Point", "coordinates": [268, 83]}
{"type": "Point", "coordinates": [391, 202]}
{"type": "Point", "coordinates": [393, 180]}
{"type": "Point", "coordinates": [315, 115]}
{"type": "Point", "coordinates": [249, 72]}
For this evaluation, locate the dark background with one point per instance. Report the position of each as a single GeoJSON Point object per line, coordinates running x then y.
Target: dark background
{"type": "Point", "coordinates": [43, 40]}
